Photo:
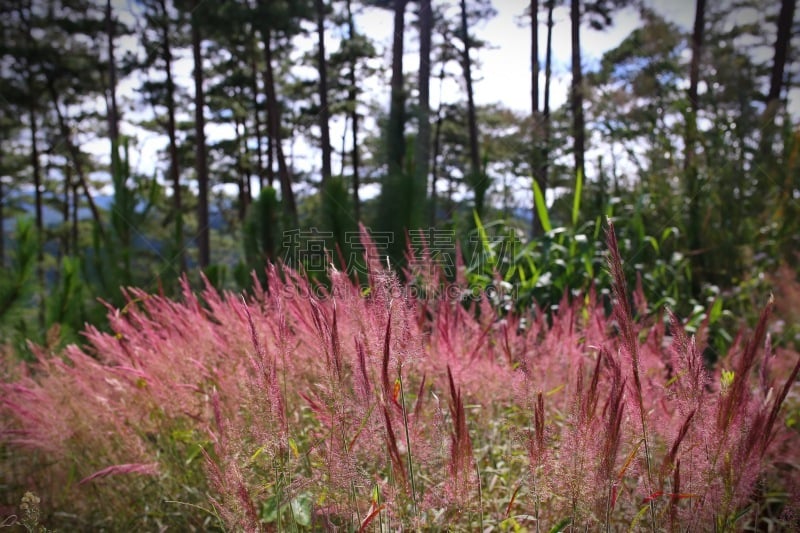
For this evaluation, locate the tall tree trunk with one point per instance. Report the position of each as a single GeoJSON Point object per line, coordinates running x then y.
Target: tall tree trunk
{"type": "Point", "coordinates": [437, 136]}
{"type": "Point", "coordinates": [37, 195]}
{"type": "Point", "coordinates": [74, 154]}
{"type": "Point", "coordinates": [256, 109]}
{"type": "Point", "coordinates": [37, 172]}
{"type": "Point", "coordinates": [240, 184]}
{"type": "Point", "coordinates": [785, 19]}
{"type": "Point", "coordinates": [324, 113]}
{"type": "Point", "coordinates": [112, 109]}
{"type": "Point", "coordinates": [2, 221]}
{"type": "Point", "coordinates": [274, 121]}
{"type": "Point", "coordinates": [536, 144]}
{"type": "Point", "coordinates": [689, 164]}
{"type": "Point", "coordinates": [396, 135]}
{"type": "Point", "coordinates": [352, 99]}
{"type": "Point", "coordinates": [422, 149]}
{"type": "Point", "coordinates": [472, 123]}
{"type": "Point", "coordinates": [270, 149]}
{"type": "Point", "coordinates": [577, 88]}
{"type": "Point", "coordinates": [65, 210]}
{"type": "Point", "coordinates": [548, 62]}
{"type": "Point", "coordinates": [75, 199]}
{"type": "Point", "coordinates": [246, 167]}
{"type": "Point", "coordinates": [534, 57]}
{"type": "Point", "coordinates": [113, 114]}
{"type": "Point", "coordinates": [782, 41]}
{"type": "Point", "coordinates": [201, 166]}
{"type": "Point", "coordinates": [601, 184]}
{"type": "Point", "coordinates": [174, 166]}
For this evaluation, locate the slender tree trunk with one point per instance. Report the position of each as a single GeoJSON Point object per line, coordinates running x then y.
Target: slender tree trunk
{"type": "Point", "coordinates": [243, 161]}
{"type": "Point", "coordinates": [345, 133]}
{"type": "Point", "coordinates": [535, 57]}
{"type": "Point", "coordinates": [601, 184]}
{"type": "Point", "coordinates": [472, 123]}
{"type": "Point", "coordinates": [422, 149]}
{"type": "Point", "coordinates": [352, 97]}
{"type": "Point", "coordinates": [270, 149]}
{"type": "Point", "coordinates": [274, 121]}
{"type": "Point", "coordinates": [536, 144]}
{"type": "Point", "coordinates": [256, 110]}
{"type": "Point", "coordinates": [201, 166]}
{"type": "Point", "coordinates": [785, 19]}
{"type": "Point", "coordinates": [324, 113]}
{"type": "Point", "coordinates": [37, 174]}
{"type": "Point", "coordinates": [75, 199]}
{"type": "Point", "coordinates": [174, 166]}
{"type": "Point", "coordinates": [437, 136]}
{"type": "Point", "coordinates": [782, 42]}
{"type": "Point", "coordinates": [2, 221]}
{"type": "Point", "coordinates": [248, 175]}
{"type": "Point", "coordinates": [476, 178]}
{"type": "Point", "coordinates": [65, 208]}
{"type": "Point", "coordinates": [548, 62]}
{"type": "Point", "coordinates": [396, 136]}
{"type": "Point", "coordinates": [113, 114]}
{"type": "Point", "coordinates": [37, 195]}
{"type": "Point", "coordinates": [437, 133]}
{"type": "Point", "coordinates": [689, 164]}
{"type": "Point", "coordinates": [239, 171]}
{"type": "Point", "coordinates": [112, 110]}
{"type": "Point", "coordinates": [74, 154]}
{"type": "Point", "coordinates": [577, 88]}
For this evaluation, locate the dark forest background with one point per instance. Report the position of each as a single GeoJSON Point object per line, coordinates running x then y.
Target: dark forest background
{"type": "Point", "coordinates": [687, 138]}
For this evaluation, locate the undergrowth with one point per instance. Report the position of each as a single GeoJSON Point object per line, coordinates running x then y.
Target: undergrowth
{"type": "Point", "coordinates": [380, 408]}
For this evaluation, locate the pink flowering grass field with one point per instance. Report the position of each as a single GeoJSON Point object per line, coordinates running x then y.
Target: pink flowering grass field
{"type": "Point", "coordinates": [353, 408]}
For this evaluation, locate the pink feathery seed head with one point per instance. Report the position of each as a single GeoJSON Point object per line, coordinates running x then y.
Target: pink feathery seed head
{"type": "Point", "coordinates": [735, 401]}
{"type": "Point", "coordinates": [394, 451]}
{"type": "Point", "coordinates": [639, 298]}
{"type": "Point", "coordinates": [764, 374]}
{"type": "Point", "coordinates": [671, 457]}
{"type": "Point", "coordinates": [385, 361]}
{"type": "Point", "coordinates": [460, 442]}
{"type": "Point", "coordinates": [769, 433]}
{"type": "Point", "coordinates": [536, 442]}
{"type": "Point", "coordinates": [147, 469]}
{"type": "Point", "coordinates": [362, 377]}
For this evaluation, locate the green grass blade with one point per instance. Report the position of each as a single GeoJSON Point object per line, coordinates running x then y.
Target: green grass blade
{"type": "Point", "coordinates": [541, 207]}
{"type": "Point", "coordinates": [561, 526]}
{"type": "Point", "coordinates": [576, 201]}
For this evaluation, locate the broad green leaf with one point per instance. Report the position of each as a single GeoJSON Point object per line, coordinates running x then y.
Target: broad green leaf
{"type": "Point", "coordinates": [716, 311]}
{"type": "Point", "coordinates": [301, 509]}
{"type": "Point", "coordinates": [269, 509]}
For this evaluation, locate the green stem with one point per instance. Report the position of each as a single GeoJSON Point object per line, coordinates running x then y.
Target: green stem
{"type": "Point", "coordinates": [408, 440]}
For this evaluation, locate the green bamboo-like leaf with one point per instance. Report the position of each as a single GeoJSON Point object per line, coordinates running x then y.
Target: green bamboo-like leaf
{"type": "Point", "coordinates": [653, 242]}
{"type": "Point", "coordinates": [716, 311]}
{"type": "Point", "coordinates": [487, 247]}
{"type": "Point", "coordinates": [541, 207]}
{"type": "Point", "coordinates": [576, 201]}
